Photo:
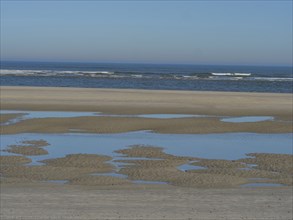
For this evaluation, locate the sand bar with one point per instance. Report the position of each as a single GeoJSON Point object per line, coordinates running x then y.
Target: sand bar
{"type": "Point", "coordinates": [127, 101]}
{"type": "Point", "coordinates": [28, 148]}
{"type": "Point", "coordinates": [114, 101]}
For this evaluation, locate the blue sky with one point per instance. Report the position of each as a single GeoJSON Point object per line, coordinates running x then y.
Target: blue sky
{"type": "Point", "coordinates": [193, 32]}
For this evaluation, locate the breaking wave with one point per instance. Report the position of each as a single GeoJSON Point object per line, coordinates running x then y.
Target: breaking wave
{"type": "Point", "coordinates": [143, 75]}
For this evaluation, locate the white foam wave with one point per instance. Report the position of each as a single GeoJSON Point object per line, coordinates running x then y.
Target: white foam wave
{"type": "Point", "coordinates": [242, 74]}
{"type": "Point", "coordinates": [231, 74]}
{"type": "Point", "coordinates": [109, 74]}
{"type": "Point", "coordinates": [222, 74]}
{"type": "Point", "coordinates": [272, 79]}
{"type": "Point", "coordinates": [51, 72]}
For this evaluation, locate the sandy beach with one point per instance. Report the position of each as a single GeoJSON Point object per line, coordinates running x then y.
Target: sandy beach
{"type": "Point", "coordinates": [212, 193]}
{"type": "Point", "coordinates": [131, 102]}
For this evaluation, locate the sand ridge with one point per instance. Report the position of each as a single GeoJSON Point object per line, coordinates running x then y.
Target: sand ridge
{"type": "Point", "coordinates": [130, 101]}
{"type": "Point", "coordinates": [9, 160]}
{"type": "Point", "coordinates": [29, 148]}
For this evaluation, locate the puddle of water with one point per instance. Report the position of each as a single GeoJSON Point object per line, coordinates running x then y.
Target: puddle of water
{"type": "Point", "coordinates": [186, 167]}
{"type": "Point", "coordinates": [76, 130]}
{"type": "Point", "coordinates": [262, 185]}
{"type": "Point", "coordinates": [248, 119]}
{"type": "Point", "coordinates": [158, 116]}
{"type": "Point", "coordinates": [49, 114]}
{"type": "Point", "coordinates": [66, 114]}
{"type": "Point", "coordinates": [168, 116]}
{"type": "Point", "coordinates": [258, 179]}
{"type": "Point", "coordinates": [44, 114]}
{"type": "Point", "coordinates": [136, 158]}
{"type": "Point", "coordinates": [120, 165]}
{"type": "Point", "coordinates": [248, 167]}
{"type": "Point", "coordinates": [148, 182]}
{"type": "Point", "coordinates": [56, 181]}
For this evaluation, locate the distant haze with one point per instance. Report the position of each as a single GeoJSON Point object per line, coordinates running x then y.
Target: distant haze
{"type": "Point", "coordinates": [186, 32]}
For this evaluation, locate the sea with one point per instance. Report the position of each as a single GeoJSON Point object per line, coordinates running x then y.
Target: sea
{"type": "Point", "coordinates": [267, 79]}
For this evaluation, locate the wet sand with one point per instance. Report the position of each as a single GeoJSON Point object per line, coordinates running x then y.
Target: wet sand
{"type": "Point", "coordinates": [124, 124]}
{"type": "Point", "coordinates": [7, 117]}
{"type": "Point", "coordinates": [269, 168]}
{"type": "Point", "coordinates": [12, 160]}
{"type": "Point", "coordinates": [86, 196]}
{"type": "Point", "coordinates": [149, 163]}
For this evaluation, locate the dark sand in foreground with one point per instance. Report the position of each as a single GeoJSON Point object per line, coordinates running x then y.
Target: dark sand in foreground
{"type": "Point", "coordinates": [51, 201]}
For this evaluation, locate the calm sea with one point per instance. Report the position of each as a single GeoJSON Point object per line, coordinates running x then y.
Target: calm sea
{"type": "Point", "coordinates": [148, 76]}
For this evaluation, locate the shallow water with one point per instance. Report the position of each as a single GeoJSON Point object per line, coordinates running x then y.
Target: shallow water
{"type": "Point", "coordinates": [169, 116]}
{"type": "Point", "coordinates": [44, 114]}
{"type": "Point", "coordinates": [262, 185]}
{"type": "Point", "coordinates": [248, 119]}
{"type": "Point", "coordinates": [248, 167]}
{"type": "Point", "coordinates": [187, 167]}
{"type": "Point", "coordinates": [228, 146]}
{"type": "Point", "coordinates": [148, 182]}
{"type": "Point", "coordinates": [67, 114]}
{"type": "Point", "coordinates": [49, 114]}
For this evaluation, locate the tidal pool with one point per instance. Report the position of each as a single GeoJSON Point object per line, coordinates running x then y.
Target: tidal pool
{"type": "Point", "coordinates": [65, 114]}
{"type": "Point", "coordinates": [186, 167]}
{"type": "Point", "coordinates": [44, 114]}
{"type": "Point", "coordinates": [228, 146]}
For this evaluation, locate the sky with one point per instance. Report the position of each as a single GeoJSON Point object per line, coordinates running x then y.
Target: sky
{"type": "Point", "coordinates": [175, 32]}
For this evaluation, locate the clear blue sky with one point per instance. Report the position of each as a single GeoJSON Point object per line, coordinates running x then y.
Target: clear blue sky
{"type": "Point", "coordinates": [195, 32]}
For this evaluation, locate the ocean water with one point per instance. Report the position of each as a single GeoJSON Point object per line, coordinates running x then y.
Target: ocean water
{"type": "Point", "coordinates": [148, 76]}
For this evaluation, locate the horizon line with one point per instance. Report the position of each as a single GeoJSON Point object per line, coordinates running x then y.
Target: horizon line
{"type": "Point", "coordinates": [146, 63]}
